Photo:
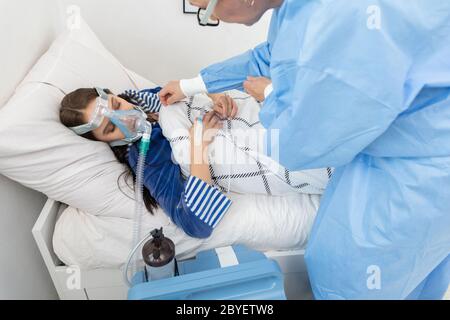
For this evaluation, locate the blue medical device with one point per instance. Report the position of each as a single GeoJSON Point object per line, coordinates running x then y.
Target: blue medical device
{"type": "Point", "coordinates": [208, 276]}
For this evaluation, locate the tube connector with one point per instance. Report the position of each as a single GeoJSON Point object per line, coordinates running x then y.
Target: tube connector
{"type": "Point", "coordinates": [145, 144]}
{"type": "Point", "coordinates": [145, 140]}
{"type": "Point", "coordinates": [198, 134]}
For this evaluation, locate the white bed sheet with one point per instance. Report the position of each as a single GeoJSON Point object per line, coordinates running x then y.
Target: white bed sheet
{"type": "Point", "coordinates": [261, 222]}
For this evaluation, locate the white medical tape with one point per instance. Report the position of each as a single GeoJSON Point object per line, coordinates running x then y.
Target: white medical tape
{"type": "Point", "coordinates": [198, 134]}
{"type": "Point", "coordinates": [227, 257]}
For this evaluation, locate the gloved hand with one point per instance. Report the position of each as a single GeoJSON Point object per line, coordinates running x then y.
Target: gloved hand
{"type": "Point", "coordinates": [256, 86]}
{"type": "Point", "coordinates": [171, 93]}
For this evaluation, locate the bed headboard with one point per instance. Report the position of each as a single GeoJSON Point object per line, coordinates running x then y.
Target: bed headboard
{"type": "Point", "coordinates": [27, 28]}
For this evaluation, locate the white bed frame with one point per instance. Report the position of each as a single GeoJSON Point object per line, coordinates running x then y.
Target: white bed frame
{"type": "Point", "coordinates": [107, 284]}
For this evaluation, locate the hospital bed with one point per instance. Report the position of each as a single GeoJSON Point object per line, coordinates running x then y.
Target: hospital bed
{"type": "Point", "coordinates": [108, 283]}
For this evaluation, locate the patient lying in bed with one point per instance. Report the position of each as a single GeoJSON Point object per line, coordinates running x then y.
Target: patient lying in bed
{"type": "Point", "coordinates": [191, 195]}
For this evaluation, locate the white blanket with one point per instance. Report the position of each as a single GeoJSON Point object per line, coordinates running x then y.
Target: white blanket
{"type": "Point", "coordinates": [237, 159]}
{"type": "Point", "coordinates": [260, 222]}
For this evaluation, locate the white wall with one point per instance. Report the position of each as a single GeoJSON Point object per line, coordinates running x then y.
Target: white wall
{"type": "Point", "coordinates": [26, 30]}
{"type": "Point", "coordinates": [155, 39]}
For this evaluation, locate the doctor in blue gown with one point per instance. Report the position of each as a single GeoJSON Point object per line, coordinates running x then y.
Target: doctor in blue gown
{"type": "Point", "coordinates": [363, 86]}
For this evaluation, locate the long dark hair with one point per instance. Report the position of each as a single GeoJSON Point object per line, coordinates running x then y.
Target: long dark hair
{"type": "Point", "coordinates": [71, 115]}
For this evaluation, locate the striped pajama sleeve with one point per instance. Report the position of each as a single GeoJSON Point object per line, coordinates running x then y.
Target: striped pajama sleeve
{"type": "Point", "coordinates": [205, 202]}
{"type": "Point", "coordinates": [147, 99]}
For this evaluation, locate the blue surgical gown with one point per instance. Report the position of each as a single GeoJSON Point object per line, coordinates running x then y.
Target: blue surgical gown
{"type": "Point", "coordinates": [363, 86]}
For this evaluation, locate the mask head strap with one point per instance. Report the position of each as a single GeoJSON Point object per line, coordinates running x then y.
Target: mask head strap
{"type": "Point", "coordinates": [101, 93]}
{"type": "Point", "coordinates": [96, 117]}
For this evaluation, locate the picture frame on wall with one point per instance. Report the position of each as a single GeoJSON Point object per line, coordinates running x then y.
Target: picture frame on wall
{"type": "Point", "coordinates": [189, 8]}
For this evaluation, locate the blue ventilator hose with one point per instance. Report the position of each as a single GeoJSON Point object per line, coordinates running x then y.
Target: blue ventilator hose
{"type": "Point", "coordinates": [139, 206]}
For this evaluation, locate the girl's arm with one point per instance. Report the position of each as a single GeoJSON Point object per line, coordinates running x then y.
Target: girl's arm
{"type": "Point", "coordinates": [201, 170]}
{"type": "Point", "coordinates": [193, 205]}
{"type": "Point", "coordinates": [201, 135]}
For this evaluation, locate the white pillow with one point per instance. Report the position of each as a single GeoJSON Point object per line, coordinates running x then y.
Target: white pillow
{"type": "Point", "coordinates": [37, 151]}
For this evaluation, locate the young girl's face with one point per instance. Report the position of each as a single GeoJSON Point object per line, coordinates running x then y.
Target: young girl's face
{"type": "Point", "coordinates": [107, 132]}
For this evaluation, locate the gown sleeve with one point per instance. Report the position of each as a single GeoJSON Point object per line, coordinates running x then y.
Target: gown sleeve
{"type": "Point", "coordinates": [192, 205]}
{"type": "Point", "coordinates": [231, 74]}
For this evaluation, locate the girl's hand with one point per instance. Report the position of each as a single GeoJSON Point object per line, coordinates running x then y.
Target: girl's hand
{"type": "Point", "coordinates": [208, 128]}
{"type": "Point", "coordinates": [171, 93]}
{"type": "Point", "coordinates": [256, 86]}
{"type": "Point", "coordinates": [225, 107]}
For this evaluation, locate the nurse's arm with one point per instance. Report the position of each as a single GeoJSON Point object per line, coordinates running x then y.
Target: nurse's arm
{"type": "Point", "coordinates": [230, 74]}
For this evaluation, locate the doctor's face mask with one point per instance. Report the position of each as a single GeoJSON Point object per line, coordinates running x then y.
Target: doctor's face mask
{"type": "Point", "coordinates": [103, 117]}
